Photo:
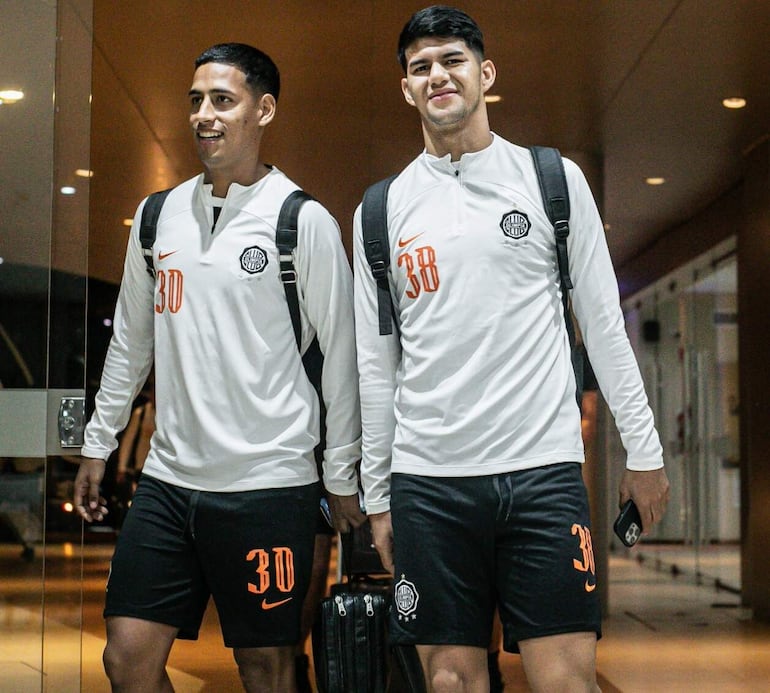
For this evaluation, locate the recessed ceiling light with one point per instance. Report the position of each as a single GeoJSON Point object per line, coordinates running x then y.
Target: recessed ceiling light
{"type": "Point", "coordinates": [493, 98]}
{"type": "Point", "coordinates": [11, 95]}
{"type": "Point", "coordinates": [655, 180]}
{"type": "Point", "coordinates": [68, 190]}
{"type": "Point", "coordinates": [734, 102]}
{"type": "Point", "coordinates": [84, 173]}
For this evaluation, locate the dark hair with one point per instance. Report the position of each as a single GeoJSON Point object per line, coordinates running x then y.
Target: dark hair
{"type": "Point", "coordinates": [440, 21]}
{"type": "Point", "coordinates": [261, 72]}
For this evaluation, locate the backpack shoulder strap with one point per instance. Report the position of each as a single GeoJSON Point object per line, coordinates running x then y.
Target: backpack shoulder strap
{"type": "Point", "coordinates": [312, 359]}
{"type": "Point", "coordinates": [286, 241]}
{"type": "Point", "coordinates": [374, 223]}
{"type": "Point", "coordinates": [149, 224]}
{"type": "Point", "coordinates": [553, 189]}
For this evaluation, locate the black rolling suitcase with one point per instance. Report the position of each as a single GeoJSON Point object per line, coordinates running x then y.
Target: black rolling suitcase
{"type": "Point", "coordinates": [351, 653]}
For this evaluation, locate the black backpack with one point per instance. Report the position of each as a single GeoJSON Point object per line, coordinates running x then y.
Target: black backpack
{"type": "Point", "coordinates": [286, 241]}
{"type": "Point", "coordinates": [553, 188]}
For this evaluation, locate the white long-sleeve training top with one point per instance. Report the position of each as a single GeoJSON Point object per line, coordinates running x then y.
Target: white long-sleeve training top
{"type": "Point", "coordinates": [480, 380]}
{"type": "Point", "coordinates": [235, 410]}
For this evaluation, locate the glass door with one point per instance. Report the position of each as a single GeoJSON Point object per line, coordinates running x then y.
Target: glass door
{"type": "Point", "coordinates": [44, 115]}
{"type": "Point", "coordinates": [684, 332]}
{"type": "Point", "coordinates": [710, 391]}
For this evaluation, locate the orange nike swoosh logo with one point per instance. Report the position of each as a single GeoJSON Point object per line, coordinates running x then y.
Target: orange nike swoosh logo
{"type": "Point", "coordinates": [405, 242]}
{"type": "Point", "coordinates": [590, 587]}
{"type": "Point", "coordinates": [163, 256]}
{"type": "Point", "coordinates": [266, 605]}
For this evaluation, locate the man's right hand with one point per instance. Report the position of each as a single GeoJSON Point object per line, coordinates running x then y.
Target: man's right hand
{"type": "Point", "coordinates": [88, 502]}
{"type": "Point", "coordinates": [346, 512]}
{"type": "Point", "coordinates": [382, 536]}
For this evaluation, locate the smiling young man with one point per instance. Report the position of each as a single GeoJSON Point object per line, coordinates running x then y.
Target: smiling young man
{"type": "Point", "coordinates": [229, 494]}
{"type": "Point", "coordinates": [472, 443]}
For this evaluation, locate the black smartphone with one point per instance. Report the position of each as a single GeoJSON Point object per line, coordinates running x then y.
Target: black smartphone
{"type": "Point", "coordinates": [628, 526]}
{"type": "Point", "coordinates": [326, 511]}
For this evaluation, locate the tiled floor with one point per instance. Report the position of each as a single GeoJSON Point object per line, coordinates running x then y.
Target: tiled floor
{"type": "Point", "coordinates": [663, 631]}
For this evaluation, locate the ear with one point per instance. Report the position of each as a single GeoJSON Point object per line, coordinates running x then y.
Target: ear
{"type": "Point", "coordinates": [405, 91]}
{"type": "Point", "coordinates": [488, 74]}
{"type": "Point", "coordinates": [266, 108]}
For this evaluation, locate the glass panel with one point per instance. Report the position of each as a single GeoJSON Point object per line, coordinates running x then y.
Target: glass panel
{"type": "Point", "coordinates": [63, 585]}
{"type": "Point", "coordinates": [710, 315]}
{"type": "Point", "coordinates": [46, 52]}
{"type": "Point", "coordinates": [684, 331]}
{"type": "Point", "coordinates": [28, 48]}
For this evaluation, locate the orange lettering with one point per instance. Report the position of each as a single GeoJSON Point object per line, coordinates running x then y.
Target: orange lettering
{"type": "Point", "coordinates": [170, 290]}
{"type": "Point", "coordinates": [159, 307]}
{"type": "Point", "coordinates": [426, 261]}
{"type": "Point", "coordinates": [586, 547]}
{"type": "Point", "coordinates": [405, 259]}
{"type": "Point", "coordinates": [175, 285]}
{"type": "Point", "coordinates": [284, 568]}
{"type": "Point", "coordinates": [428, 271]}
{"type": "Point", "coordinates": [263, 562]}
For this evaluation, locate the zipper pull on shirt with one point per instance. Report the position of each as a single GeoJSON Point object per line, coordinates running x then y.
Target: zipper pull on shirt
{"type": "Point", "coordinates": [218, 204]}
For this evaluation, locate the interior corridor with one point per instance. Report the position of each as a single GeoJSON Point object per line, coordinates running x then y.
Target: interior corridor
{"type": "Point", "coordinates": [663, 632]}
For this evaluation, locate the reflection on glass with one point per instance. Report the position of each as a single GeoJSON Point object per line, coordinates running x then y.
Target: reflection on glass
{"type": "Point", "coordinates": [21, 574]}
{"type": "Point", "coordinates": [46, 51]}
{"type": "Point", "coordinates": [684, 330]}
{"type": "Point", "coordinates": [28, 57]}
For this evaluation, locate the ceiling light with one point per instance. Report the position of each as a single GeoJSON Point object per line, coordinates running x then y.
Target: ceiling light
{"type": "Point", "coordinates": [84, 173]}
{"type": "Point", "coordinates": [11, 95]}
{"type": "Point", "coordinates": [68, 190]}
{"type": "Point", "coordinates": [493, 98]}
{"type": "Point", "coordinates": [655, 180]}
{"type": "Point", "coordinates": [128, 222]}
{"type": "Point", "coordinates": [734, 102]}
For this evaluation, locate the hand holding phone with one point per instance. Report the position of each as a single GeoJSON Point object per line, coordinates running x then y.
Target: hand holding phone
{"type": "Point", "coordinates": [628, 525]}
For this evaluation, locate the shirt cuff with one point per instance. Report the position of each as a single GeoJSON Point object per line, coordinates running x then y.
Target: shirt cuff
{"type": "Point", "coordinates": [637, 465]}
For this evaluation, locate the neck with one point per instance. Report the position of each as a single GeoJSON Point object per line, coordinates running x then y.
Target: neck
{"type": "Point", "coordinates": [221, 180]}
{"type": "Point", "coordinates": [456, 141]}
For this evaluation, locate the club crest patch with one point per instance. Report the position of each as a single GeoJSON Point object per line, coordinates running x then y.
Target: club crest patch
{"type": "Point", "coordinates": [515, 224]}
{"type": "Point", "coordinates": [253, 260]}
{"type": "Point", "coordinates": [406, 597]}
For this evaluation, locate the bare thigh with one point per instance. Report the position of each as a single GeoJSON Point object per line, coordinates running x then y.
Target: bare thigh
{"type": "Point", "coordinates": [454, 668]}
{"type": "Point", "coordinates": [136, 653]}
{"type": "Point", "coordinates": [564, 662]}
{"type": "Point", "coordinates": [266, 669]}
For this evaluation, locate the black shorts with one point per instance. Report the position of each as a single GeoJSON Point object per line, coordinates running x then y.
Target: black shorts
{"type": "Point", "coordinates": [252, 551]}
{"type": "Point", "coordinates": [518, 541]}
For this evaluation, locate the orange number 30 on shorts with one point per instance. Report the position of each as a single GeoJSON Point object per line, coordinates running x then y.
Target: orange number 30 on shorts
{"type": "Point", "coordinates": [274, 568]}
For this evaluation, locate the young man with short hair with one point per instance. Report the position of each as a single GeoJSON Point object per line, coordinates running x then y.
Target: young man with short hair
{"type": "Point", "coordinates": [229, 495]}
{"type": "Point", "coordinates": [472, 445]}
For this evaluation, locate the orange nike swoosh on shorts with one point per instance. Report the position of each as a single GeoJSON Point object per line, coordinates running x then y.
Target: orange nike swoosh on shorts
{"type": "Point", "coordinates": [266, 605]}
{"type": "Point", "coordinates": [590, 587]}
{"type": "Point", "coordinates": [407, 241]}
{"type": "Point", "coordinates": [163, 256]}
